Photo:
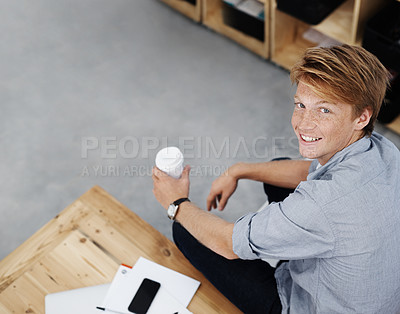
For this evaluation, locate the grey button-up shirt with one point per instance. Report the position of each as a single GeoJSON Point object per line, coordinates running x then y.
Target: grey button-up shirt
{"type": "Point", "coordinates": [340, 231]}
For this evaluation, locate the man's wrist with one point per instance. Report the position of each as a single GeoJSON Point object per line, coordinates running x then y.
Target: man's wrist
{"type": "Point", "coordinates": [174, 199]}
{"type": "Point", "coordinates": [174, 207]}
{"type": "Point", "coordinates": [237, 171]}
{"type": "Point", "coordinates": [181, 211]}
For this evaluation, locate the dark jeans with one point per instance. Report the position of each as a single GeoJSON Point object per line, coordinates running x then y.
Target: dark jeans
{"type": "Point", "coordinates": [249, 284]}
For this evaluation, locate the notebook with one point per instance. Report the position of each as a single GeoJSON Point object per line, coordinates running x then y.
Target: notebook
{"type": "Point", "coordinates": [77, 301]}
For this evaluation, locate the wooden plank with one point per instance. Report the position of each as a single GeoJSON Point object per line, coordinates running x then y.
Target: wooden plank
{"type": "Point", "coordinates": [212, 18]}
{"type": "Point", "coordinates": [290, 54]}
{"type": "Point", "coordinates": [79, 262]}
{"type": "Point", "coordinates": [42, 242]}
{"type": "Point", "coordinates": [267, 31]}
{"type": "Point", "coordinates": [284, 31]}
{"type": "Point", "coordinates": [339, 25]}
{"type": "Point", "coordinates": [186, 8]}
{"type": "Point", "coordinates": [287, 42]}
{"type": "Point", "coordinates": [106, 234]}
{"type": "Point", "coordinates": [15, 299]}
{"type": "Point", "coordinates": [76, 262]}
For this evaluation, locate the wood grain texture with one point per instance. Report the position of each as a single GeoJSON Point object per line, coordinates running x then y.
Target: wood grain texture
{"type": "Point", "coordinates": [83, 246]}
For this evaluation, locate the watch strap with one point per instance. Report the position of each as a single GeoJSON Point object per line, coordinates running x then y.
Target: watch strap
{"type": "Point", "coordinates": [181, 200]}
{"type": "Point", "coordinates": [175, 205]}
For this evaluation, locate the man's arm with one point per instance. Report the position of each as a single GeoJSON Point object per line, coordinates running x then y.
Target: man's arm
{"type": "Point", "coordinates": [212, 231]}
{"type": "Point", "coordinates": [282, 173]}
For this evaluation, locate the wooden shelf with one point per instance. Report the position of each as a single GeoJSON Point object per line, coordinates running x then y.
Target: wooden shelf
{"type": "Point", "coordinates": [186, 8]}
{"type": "Point", "coordinates": [283, 39]}
{"type": "Point", "coordinates": [339, 24]}
{"type": "Point", "coordinates": [284, 35]}
{"type": "Point", "coordinates": [287, 42]}
{"type": "Point", "coordinates": [345, 24]}
{"type": "Point", "coordinates": [213, 18]}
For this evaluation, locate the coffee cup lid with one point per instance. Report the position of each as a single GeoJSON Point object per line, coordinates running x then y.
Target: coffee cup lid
{"type": "Point", "coordinates": [169, 157]}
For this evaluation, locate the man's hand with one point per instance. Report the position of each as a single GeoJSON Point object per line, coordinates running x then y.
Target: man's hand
{"type": "Point", "coordinates": [167, 189]}
{"type": "Point", "coordinates": [221, 189]}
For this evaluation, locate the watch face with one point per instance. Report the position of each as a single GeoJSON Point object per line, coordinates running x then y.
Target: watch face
{"type": "Point", "coordinates": [171, 211]}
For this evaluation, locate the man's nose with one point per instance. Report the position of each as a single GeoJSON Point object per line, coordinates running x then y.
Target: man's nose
{"type": "Point", "coordinates": [307, 121]}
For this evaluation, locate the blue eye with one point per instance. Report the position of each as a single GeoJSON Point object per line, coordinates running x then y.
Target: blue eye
{"type": "Point", "coordinates": [324, 110]}
{"type": "Point", "coordinates": [299, 105]}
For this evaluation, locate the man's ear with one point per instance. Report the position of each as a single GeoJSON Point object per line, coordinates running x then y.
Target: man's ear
{"type": "Point", "coordinates": [363, 119]}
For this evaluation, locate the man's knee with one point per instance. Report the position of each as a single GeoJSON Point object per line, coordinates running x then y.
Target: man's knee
{"type": "Point", "coordinates": [185, 242]}
{"type": "Point", "coordinates": [178, 233]}
{"type": "Point", "coordinates": [274, 193]}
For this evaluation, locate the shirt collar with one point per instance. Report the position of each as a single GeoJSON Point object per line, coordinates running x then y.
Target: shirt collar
{"type": "Point", "coordinates": [357, 147]}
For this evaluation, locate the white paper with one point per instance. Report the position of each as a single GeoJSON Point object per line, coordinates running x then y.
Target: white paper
{"type": "Point", "coordinates": [117, 298]}
{"type": "Point", "coordinates": [76, 301]}
{"type": "Point", "coordinates": [251, 7]}
{"type": "Point", "coordinates": [174, 295]}
{"type": "Point", "coordinates": [180, 286]}
{"type": "Point", "coordinates": [166, 303]}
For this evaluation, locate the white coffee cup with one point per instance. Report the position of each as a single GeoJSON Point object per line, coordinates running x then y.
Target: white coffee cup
{"type": "Point", "coordinates": [170, 160]}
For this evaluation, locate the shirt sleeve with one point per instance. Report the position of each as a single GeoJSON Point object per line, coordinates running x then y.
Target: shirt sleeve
{"type": "Point", "coordinates": [293, 229]}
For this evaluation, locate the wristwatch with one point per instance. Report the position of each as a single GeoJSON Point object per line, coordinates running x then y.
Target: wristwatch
{"type": "Point", "coordinates": [173, 208]}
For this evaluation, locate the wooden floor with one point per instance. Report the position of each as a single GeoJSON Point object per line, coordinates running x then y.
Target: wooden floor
{"type": "Point", "coordinates": [84, 246]}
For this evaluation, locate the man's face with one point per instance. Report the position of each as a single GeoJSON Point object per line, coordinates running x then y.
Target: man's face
{"type": "Point", "coordinates": [323, 128]}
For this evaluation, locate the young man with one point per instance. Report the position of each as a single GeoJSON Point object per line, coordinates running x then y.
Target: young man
{"type": "Point", "coordinates": [337, 234]}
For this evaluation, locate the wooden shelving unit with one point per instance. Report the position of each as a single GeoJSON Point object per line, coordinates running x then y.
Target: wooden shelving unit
{"type": "Point", "coordinates": [395, 125]}
{"type": "Point", "coordinates": [345, 24]}
{"type": "Point", "coordinates": [187, 8]}
{"type": "Point", "coordinates": [213, 18]}
{"type": "Point", "coordinates": [284, 40]}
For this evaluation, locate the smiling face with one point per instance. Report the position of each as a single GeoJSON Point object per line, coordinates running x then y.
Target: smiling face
{"type": "Point", "coordinates": [324, 128]}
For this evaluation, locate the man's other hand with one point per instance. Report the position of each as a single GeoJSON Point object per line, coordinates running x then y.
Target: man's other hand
{"type": "Point", "coordinates": [221, 189]}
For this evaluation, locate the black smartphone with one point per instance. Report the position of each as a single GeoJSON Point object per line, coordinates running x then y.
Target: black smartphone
{"type": "Point", "coordinates": [144, 296]}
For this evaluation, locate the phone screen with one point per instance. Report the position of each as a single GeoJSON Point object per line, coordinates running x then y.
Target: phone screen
{"type": "Point", "coordinates": [144, 296]}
